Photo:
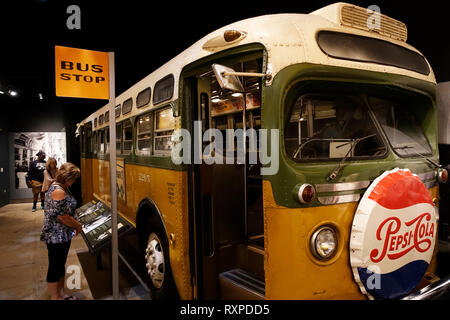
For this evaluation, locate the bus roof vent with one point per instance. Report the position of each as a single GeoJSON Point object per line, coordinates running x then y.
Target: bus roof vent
{"type": "Point", "coordinates": [364, 19]}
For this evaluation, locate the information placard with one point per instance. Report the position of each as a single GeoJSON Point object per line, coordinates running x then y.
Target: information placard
{"type": "Point", "coordinates": [95, 216]}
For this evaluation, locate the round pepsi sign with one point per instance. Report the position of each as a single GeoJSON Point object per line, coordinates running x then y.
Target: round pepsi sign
{"type": "Point", "coordinates": [393, 235]}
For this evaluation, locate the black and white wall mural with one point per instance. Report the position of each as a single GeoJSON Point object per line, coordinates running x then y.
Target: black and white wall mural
{"type": "Point", "coordinates": [23, 149]}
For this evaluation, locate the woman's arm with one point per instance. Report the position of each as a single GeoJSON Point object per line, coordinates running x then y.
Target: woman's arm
{"type": "Point", "coordinates": [58, 195]}
{"type": "Point", "coordinates": [70, 222]}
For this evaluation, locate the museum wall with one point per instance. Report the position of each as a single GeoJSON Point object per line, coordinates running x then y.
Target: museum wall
{"type": "Point", "coordinates": [26, 115]}
{"type": "Point", "coordinates": [4, 166]}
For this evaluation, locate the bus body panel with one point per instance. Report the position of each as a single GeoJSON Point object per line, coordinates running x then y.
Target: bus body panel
{"type": "Point", "coordinates": [289, 264]}
{"type": "Point", "coordinates": [168, 190]}
{"type": "Point", "coordinates": [86, 179]}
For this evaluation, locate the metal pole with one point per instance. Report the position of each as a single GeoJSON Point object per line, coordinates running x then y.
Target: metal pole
{"type": "Point", "coordinates": [113, 177]}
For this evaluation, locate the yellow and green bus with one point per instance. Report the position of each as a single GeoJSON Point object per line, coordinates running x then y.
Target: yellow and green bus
{"type": "Point", "coordinates": [348, 209]}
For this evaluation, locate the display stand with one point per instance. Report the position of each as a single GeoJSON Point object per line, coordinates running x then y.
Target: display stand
{"type": "Point", "coordinates": [95, 216]}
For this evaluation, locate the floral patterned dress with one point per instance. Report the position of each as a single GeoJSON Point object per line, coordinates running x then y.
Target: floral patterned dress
{"type": "Point", "coordinates": [53, 230]}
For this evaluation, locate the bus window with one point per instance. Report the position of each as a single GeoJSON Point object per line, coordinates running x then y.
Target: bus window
{"type": "Point", "coordinates": [164, 127]}
{"type": "Point", "coordinates": [326, 127]}
{"type": "Point", "coordinates": [226, 113]}
{"type": "Point", "coordinates": [118, 138]}
{"type": "Point", "coordinates": [144, 142]}
{"type": "Point", "coordinates": [163, 89]}
{"type": "Point", "coordinates": [101, 140]}
{"type": "Point", "coordinates": [127, 106]}
{"type": "Point", "coordinates": [253, 106]}
{"type": "Point", "coordinates": [227, 107]}
{"type": "Point", "coordinates": [127, 137]}
{"type": "Point", "coordinates": [88, 136]}
{"type": "Point", "coordinates": [94, 142]}
{"type": "Point", "coordinates": [401, 126]}
{"type": "Point", "coordinates": [143, 98]}
{"type": "Point", "coordinates": [107, 140]}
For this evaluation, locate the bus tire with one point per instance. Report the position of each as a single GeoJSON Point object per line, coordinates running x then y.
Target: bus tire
{"type": "Point", "coordinates": [157, 263]}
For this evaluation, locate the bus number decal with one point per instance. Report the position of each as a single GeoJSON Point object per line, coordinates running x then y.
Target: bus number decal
{"type": "Point", "coordinates": [144, 177]}
{"type": "Point", "coordinates": [171, 192]}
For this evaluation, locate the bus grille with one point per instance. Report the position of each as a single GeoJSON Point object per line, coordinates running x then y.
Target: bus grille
{"type": "Point", "coordinates": [357, 17]}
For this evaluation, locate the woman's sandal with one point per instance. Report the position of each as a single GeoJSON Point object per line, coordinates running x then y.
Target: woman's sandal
{"type": "Point", "coordinates": [70, 298]}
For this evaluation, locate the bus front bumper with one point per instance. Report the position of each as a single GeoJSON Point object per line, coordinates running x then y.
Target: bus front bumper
{"type": "Point", "coordinates": [439, 290]}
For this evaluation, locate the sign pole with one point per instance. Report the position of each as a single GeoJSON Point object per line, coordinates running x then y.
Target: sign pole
{"type": "Point", "coordinates": [96, 82]}
{"type": "Point", "coordinates": [113, 177]}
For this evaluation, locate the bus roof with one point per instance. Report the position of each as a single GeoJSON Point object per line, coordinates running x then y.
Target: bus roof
{"type": "Point", "coordinates": [288, 39]}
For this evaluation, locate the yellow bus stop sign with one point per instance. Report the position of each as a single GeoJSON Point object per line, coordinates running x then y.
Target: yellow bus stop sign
{"type": "Point", "coordinates": [81, 73]}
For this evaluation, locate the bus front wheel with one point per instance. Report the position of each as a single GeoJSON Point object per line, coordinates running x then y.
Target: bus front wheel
{"type": "Point", "coordinates": [157, 264]}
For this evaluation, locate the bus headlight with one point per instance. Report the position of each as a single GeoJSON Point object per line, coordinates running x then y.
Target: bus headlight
{"type": "Point", "coordinates": [324, 243]}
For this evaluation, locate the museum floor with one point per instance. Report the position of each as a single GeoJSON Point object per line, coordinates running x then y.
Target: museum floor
{"type": "Point", "coordinates": [23, 262]}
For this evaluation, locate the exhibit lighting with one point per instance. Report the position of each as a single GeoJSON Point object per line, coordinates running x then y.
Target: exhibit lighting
{"type": "Point", "coordinates": [12, 93]}
{"type": "Point", "coordinates": [2, 92]}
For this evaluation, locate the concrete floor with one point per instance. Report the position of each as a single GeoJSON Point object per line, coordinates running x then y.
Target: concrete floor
{"type": "Point", "coordinates": [24, 261]}
{"type": "Point", "coordinates": [23, 257]}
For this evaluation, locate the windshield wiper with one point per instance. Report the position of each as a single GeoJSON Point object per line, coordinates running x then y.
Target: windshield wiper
{"type": "Point", "coordinates": [300, 147]}
{"type": "Point", "coordinates": [338, 168]}
{"type": "Point", "coordinates": [410, 146]}
{"type": "Point", "coordinates": [313, 138]}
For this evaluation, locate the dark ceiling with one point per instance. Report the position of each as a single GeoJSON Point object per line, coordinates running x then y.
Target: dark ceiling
{"type": "Point", "coordinates": [146, 34]}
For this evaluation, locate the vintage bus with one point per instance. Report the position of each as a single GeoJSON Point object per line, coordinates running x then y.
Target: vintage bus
{"type": "Point", "coordinates": [350, 209]}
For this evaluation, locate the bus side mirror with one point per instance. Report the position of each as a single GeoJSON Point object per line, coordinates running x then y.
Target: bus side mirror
{"type": "Point", "coordinates": [227, 80]}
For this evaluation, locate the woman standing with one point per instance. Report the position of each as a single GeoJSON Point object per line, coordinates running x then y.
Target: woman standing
{"type": "Point", "coordinates": [49, 173]}
{"type": "Point", "coordinates": [60, 225]}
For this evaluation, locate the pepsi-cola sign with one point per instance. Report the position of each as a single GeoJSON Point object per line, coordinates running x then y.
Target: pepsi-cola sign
{"type": "Point", "coordinates": [393, 235]}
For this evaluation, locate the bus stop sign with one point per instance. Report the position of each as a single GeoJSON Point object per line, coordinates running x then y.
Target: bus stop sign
{"type": "Point", "coordinates": [393, 235]}
{"type": "Point", "coordinates": [81, 73]}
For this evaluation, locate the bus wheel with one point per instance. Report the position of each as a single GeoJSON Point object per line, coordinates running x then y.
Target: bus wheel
{"type": "Point", "coordinates": [161, 281]}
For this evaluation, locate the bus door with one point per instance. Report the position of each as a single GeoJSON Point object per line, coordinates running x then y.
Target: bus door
{"type": "Point", "coordinates": [229, 195]}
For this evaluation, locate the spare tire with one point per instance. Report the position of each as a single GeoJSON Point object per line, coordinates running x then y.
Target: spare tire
{"type": "Point", "coordinates": [393, 235]}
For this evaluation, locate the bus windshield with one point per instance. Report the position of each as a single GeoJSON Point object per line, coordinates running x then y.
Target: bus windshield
{"type": "Point", "coordinates": [401, 127]}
